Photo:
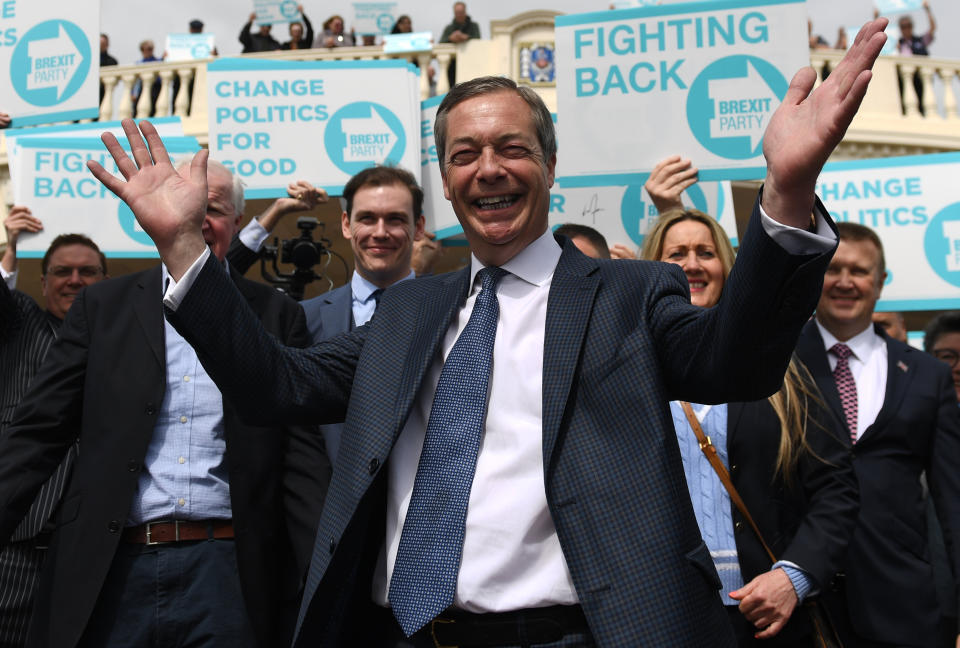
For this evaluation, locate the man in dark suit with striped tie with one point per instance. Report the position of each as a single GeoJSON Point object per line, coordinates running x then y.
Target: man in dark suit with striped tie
{"type": "Point", "coordinates": [26, 332]}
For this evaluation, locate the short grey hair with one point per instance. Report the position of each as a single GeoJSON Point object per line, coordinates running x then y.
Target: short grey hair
{"type": "Point", "coordinates": [236, 192]}
{"type": "Point", "coordinates": [542, 120]}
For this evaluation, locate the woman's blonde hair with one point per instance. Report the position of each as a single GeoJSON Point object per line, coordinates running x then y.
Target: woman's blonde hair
{"type": "Point", "coordinates": [791, 401]}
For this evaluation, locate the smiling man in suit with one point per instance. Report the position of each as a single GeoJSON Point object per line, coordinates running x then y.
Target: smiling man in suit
{"type": "Point", "coordinates": [176, 528]}
{"type": "Point", "coordinates": [382, 219]}
{"type": "Point", "coordinates": [899, 409]}
{"type": "Point", "coordinates": [501, 420]}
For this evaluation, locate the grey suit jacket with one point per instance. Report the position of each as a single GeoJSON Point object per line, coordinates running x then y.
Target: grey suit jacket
{"type": "Point", "coordinates": [328, 315]}
{"type": "Point", "coordinates": [621, 340]}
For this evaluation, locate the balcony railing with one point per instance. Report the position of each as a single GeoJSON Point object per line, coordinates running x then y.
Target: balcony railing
{"type": "Point", "coordinates": [182, 89]}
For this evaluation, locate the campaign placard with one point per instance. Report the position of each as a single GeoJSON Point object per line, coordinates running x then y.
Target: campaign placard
{"type": "Point", "coordinates": [270, 12]}
{"type": "Point", "coordinates": [50, 54]}
{"type": "Point", "coordinates": [887, 7]}
{"type": "Point", "coordinates": [166, 127]}
{"type": "Point", "coordinates": [374, 18]}
{"type": "Point", "coordinates": [625, 214]}
{"type": "Point", "coordinates": [913, 206]}
{"type": "Point", "coordinates": [412, 42]}
{"type": "Point", "coordinates": [700, 79]}
{"type": "Point", "coordinates": [59, 189]}
{"type": "Point", "coordinates": [437, 210]}
{"type": "Point", "coordinates": [189, 47]}
{"type": "Point", "coordinates": [273, 122]}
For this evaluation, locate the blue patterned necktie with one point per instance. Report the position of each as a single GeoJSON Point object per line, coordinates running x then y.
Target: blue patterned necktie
{"type": "Point", "coordinates": [425, 573]}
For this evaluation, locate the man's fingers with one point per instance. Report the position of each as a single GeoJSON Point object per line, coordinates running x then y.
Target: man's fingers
{"type": "Point", "coordinates": [800, 86]}
{"type": "Point", "coordinates": [139, 150]}
{"type": "Point", "coordinates": [124, 164]}
{"type": "Point", "coordinates": [157, 150]}
{"type": "Point", "coordinates": [109, 181]}
{"type": "Point", "coordinates": [198, 167]}
{"type": "Point", "coordinates": [861, 56]}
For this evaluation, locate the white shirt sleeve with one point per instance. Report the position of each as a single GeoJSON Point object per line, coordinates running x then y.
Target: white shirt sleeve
{"type": "Point", "coordinates": [254, 235]}
{"type": "Point", "coordinates": [798, 241]}
{"type": "Point", "coordinates": [177, 290]}
{"type": "Point", "coordinates": [10, 278]}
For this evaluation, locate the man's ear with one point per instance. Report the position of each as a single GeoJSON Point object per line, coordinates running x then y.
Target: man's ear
{"type": "Point", "coordinates": [345, 225]}
{"type": "Point", "coordinates": [418, 227]}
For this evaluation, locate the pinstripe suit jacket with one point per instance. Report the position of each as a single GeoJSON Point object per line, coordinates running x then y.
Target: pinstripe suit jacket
{"type": "Point", "coordinates": [104, 381]}
{"type": "Point", "coordinates": [621, 340]}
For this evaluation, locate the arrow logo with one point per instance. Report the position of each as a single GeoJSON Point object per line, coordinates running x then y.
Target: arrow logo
{"type": "Point", "coordinates": [368, 139]}
{"type": "Point", "coordinates": [53, 62]}
{"type": "Point", "coordinates": [742, 106]}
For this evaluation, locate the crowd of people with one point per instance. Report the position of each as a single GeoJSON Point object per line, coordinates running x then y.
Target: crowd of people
{"type": "Point", "coordinates": [553, 446]}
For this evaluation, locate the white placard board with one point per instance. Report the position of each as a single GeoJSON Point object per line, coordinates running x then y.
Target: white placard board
{"type": "Point", "coordinates": [166, 127]}
{"type": "Point", "coordinates": [49, 60]}
{"type": "Point", "coordinates": [374, 18]}
{"type": "Point", "coordinates": [412, 42]}
{"type": "Point", "coordinates": [437, 210]}
{"type": "Point", "coordinates": [270, 12]}
{"type": "Point", "coordinates": [273, 122]}
{"type": "Point", "coordinates": [700, 79]}
{"type": "Point", "coordinates": [912, 204]}
{"type": "Point", "coordinates": [189, 47]}
{"type": "Point", "coordinates": [59, 189]}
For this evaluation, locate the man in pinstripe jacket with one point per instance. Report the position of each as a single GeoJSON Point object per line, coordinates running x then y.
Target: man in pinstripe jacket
{"type": "Point", "coordinates": [26, 332]}
{"type": "Point", "coordinates": [598, 544]}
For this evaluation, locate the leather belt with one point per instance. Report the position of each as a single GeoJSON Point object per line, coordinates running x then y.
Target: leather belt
{"type": "Point", "coordinates": [519, 627]}
{"type": "Point", "coordinates": [166, 531]}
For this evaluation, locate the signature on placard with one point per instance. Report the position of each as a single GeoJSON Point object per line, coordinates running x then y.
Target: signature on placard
{"type": "Point", "coordinates": [592, 208]}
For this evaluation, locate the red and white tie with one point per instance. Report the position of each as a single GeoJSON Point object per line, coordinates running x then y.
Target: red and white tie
{"type": "Point", "coordinates": [846, 386]}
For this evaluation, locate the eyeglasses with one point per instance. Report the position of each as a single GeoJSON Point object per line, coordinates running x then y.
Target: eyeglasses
{"type": "Point", "coordinates": [949, 356]}
{"type": "Point", "coordinates": [65, 272]}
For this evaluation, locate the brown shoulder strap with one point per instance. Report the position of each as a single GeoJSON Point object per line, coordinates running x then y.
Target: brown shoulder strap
{"type": "Point", "coordinates": [706, 445]}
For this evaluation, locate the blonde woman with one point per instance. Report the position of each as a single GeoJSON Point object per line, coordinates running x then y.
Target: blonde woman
{"type": "Point", "coordinates": [794, 475]}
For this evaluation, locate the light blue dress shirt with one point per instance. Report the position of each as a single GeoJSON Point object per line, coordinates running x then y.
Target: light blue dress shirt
{"type": "Point", "coordinates": [711, 502]}
{"type": "Point", "coordinates": [184, 473]}
{"type": "Point", "coordinates": [362, 301]}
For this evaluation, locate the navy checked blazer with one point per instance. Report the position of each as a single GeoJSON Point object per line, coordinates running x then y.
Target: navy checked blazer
{"type": "Point", "coordinates": [621, 341]}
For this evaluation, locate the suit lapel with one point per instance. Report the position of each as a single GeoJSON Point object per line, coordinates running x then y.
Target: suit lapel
{"type": "Point", "coordinates": [900, 371]}
{"type": "Point", "coordinates": [734, 414]}
{"type": "Point", "coordinates": [811, 351]}
{"type": "Point", "coordinates": [433, 321]}
{"type": "Point", "coordinates": [337, 314]}
{"type": "Point", "coordinates": [569, 306]}
{"type": "Point", "coordinates": [148, 307]}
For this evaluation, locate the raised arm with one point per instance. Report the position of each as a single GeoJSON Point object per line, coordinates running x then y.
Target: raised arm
{"type": "Point", "coordinates": [810, 123]}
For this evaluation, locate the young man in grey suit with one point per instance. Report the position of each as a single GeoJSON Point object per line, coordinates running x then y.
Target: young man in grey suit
{"type": "Point", "coordinates": [452, 519]}
{"type": "Point", "coordinates": [382, 219]}
{"type": "Point", "coordinates": [899, 408]}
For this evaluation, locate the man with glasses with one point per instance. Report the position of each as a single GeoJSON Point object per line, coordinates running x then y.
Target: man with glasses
{"type": "Point", "coordinates": [941, 338]}
{"type": "Point", "coordinates": [26, 332]}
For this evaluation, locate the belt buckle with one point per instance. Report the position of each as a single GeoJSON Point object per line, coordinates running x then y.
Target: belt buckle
{"type": "Point", "coordinates": [176, 532]}
{"type": "Point", "coordinates": [433, 633]}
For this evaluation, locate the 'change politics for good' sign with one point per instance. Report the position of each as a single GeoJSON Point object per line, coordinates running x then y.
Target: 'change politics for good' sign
{"type": "Point", "coordinates": [274, 122]}
{"type": "Point", "coordinates": [700, 79]}
{"type": "Point", "coordinates": [48, 49]}
{"type": "Point", "coordinates": [912, 204]}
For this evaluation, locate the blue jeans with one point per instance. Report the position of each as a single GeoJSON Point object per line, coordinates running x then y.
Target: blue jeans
{"type": "Point", "coordinates": [178, 595]}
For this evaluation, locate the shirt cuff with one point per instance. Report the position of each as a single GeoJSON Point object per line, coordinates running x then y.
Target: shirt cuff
{"type": "Point", "coordinates": [10, 278]}
{"type": "Point", "coordinates": [803, 583]}
{"type": "Point", "coordinates": [177, 290]}
{"type": "Point", "coordinates": [254, 235]}
{"type": "Point", "coordinates": [798, 241]}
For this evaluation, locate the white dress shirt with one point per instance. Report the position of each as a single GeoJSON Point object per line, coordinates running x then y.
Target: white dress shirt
{"type": "Point", "coordinates": [868, 364]}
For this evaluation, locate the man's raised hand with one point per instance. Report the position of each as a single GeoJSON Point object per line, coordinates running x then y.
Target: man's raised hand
{"type": "Point", "coordinates": [808, 125]}
{"type": "Point", "coordinates": [170, 206]}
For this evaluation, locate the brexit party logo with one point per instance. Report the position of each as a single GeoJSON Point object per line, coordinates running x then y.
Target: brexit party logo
{"type": "Point", "coordinates": [362, 134]}
{"type": "Point", "coordinates": [730, 104]}
{"type": "Point", "coordinates": [638, 214]}
{"type": "Point", "coordinates": [50, 63]}
{"type": "Point", "coordinates": [941, 242]}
